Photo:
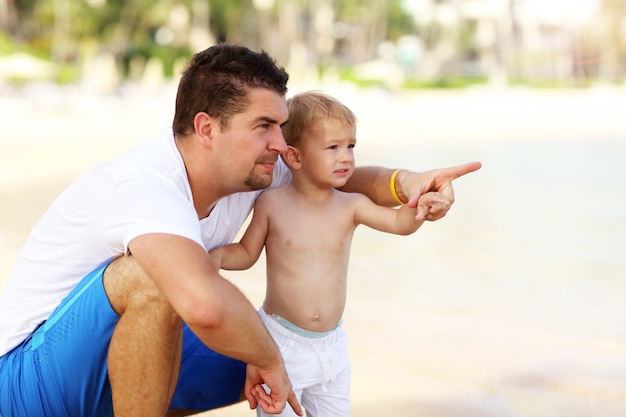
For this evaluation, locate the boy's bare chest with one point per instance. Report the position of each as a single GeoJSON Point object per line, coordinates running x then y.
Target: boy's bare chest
{"type": "Point", "coordinates": [319, 230]}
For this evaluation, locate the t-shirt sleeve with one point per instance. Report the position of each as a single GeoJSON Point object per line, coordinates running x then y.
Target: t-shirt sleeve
{"type": "Point", "coordinates": [145, 204]}
{"type": "Point", "coordinates": [281, 176]}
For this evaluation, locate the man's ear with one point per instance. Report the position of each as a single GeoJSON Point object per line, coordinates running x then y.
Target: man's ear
{"type": "Point", "coordinates": [203, 125]}
{"type": "Point", "coordinates": [292, 157]}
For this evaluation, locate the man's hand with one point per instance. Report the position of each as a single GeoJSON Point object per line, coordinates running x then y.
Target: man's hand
{"type": "Point", "coordinates": [279, 385]}
{"type": "Point", "coordinates": [414, 185]}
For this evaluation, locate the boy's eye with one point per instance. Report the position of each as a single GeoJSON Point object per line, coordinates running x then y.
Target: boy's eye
{"type": "Point", "coordinates": [333, 147]}
{"type": "Point", "coordinates": [351, 146]}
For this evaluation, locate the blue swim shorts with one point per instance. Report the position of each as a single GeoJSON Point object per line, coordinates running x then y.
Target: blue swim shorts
{"type": "Point", "coordinates": [61, 368]}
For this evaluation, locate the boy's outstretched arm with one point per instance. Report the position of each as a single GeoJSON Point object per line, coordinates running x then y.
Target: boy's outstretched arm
{"type": "Point", "coordinates": [400, 221]}
{"type": "Point", "coordinates": [411, 187]}
{"type": "Point", "coordinates": [375, 182]}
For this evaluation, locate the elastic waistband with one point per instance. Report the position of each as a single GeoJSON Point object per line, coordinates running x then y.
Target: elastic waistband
{"type": "Point", "coordinates": [287, 338]}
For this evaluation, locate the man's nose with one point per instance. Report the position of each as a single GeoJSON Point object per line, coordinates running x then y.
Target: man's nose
{"type": "Point", "coordinates": [277, 142]}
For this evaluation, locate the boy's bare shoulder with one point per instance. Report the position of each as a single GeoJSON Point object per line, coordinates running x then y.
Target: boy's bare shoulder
{"type": "Point", "coordinates": [351, 197]}
{"type": "Point", "coordinates": [272, 195]}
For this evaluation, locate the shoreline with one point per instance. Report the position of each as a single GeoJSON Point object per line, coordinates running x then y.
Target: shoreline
{"type": "Point", "coordinates": [95, 128]}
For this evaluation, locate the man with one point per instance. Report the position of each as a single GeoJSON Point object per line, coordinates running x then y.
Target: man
{"type": "Point", "coordinates": [114, 307]}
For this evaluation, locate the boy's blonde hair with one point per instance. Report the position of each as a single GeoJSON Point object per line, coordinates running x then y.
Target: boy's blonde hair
{"type": "Point", "coordinates": [307, 109]}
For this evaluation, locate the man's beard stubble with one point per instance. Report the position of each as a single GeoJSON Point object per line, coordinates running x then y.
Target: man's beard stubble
{"type": "Point", "coordinates": [254, 182]}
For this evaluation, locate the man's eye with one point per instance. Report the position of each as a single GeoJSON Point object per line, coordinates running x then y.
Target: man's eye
{"type": "Point", "coordinates": [333, 147]}
{"type": "Point", "coordinates": [351, 146]}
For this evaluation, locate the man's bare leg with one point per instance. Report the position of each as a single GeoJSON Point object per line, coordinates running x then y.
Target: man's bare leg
{"type": "Point", "coordinates": [145, 349]}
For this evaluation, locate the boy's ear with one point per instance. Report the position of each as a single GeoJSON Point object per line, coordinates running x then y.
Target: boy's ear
{"type": "Point", "coordinates": [292, 157]}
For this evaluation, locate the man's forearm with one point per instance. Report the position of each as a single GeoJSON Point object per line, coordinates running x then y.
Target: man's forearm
{"type": "Point", "coordinates": [239, 333]}
{"type": "Point", "coordinates": [374, 182]}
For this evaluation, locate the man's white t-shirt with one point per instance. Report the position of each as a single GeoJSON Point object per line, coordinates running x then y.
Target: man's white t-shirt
{"type": "Point", "coordinates": [95, 218]}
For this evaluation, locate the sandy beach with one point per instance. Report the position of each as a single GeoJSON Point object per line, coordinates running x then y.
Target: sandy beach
{"type": "Point", "coordinates": [511, 306]}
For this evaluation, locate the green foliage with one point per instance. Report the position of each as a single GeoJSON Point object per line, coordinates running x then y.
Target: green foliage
{"type": "Point", "coordinates": [399, 22]}
{"type": "Point", "coordinates": [67, 74]}
{"type": "Point", "coordinates": [7, 46]}
{"type": "Point", "coordinates": [168, 56]}
{"type": "Point", "coordinates": [446, 83]}
{"type": "Point", "coordinates": [414, 84]}
{"type": "Point", "coordinates": [226, 15]}
{"type": "Point", "coordinates": [66, 31]}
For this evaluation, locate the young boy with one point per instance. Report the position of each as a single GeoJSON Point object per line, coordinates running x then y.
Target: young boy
{"type": "Point", "coordinates": [306, 227]}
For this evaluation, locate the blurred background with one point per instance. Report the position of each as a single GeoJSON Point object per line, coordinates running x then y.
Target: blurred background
{"type": "Point", "coordinates": [513, 305]}
{"type": "Point", "coordinates": [393, 43]}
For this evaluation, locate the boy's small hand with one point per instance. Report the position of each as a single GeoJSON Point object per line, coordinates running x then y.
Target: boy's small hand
{"type": "Point", "coordinates": [416, 185]}
{"type": "Point", "coordinates": [432, 206]}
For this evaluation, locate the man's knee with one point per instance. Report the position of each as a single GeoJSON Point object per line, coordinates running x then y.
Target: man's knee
{"type": "Point", "coordinates": [126, 268]}
{"type": "Point", "coordinates": [127, 284]}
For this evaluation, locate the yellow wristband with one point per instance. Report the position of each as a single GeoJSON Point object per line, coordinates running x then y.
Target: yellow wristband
{"type": "Point", "coordinates": [392, 186]}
